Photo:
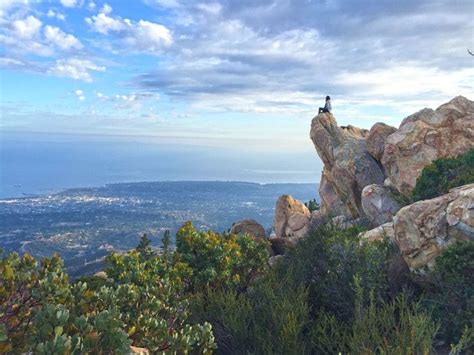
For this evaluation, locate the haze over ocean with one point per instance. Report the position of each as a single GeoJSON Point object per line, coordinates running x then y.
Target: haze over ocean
{"type": "Point", "coordinates": [42, 164]}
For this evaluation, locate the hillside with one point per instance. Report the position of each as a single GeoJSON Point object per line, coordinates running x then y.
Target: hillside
{"type": "Point", "coordinates": [385, 265]}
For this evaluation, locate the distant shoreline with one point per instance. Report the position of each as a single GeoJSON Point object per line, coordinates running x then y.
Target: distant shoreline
{"type": "Point", "coordinates": [59, 191]}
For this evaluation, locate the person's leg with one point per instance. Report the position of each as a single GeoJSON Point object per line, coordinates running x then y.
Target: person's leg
{"type": "Point", "coordinates": [320, 110]}
{"type": "Point", "coordinates": [325, 110]}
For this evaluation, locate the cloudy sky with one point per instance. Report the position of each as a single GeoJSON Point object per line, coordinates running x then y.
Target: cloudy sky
{"type": "Point", "coordinates": [240, 69]}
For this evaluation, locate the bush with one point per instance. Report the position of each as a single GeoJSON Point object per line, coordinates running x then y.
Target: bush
{"type": "Point", "coordinates": [142, 301]}
{"type": "Point", "coordinates": [444, 174]}
{"type": "Point", "coordinates": [450, 291]}
{"type": "Point", "coordinates": [217, 261]}
{"type": "Point", "coordinates": [327, 261]}
{"type": "Point", "coordinates": [306, 302]}
{"type": "Point", "coordinates": [393, 327]}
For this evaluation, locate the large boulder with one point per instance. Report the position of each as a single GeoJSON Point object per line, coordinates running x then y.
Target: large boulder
{"type": "Point", "coordinates": [291, 218]}
{"type": "Point", "coordinates": [348, 167]}
{"type": "Point", "coordinates": [379, 204]}
{"type": "Point", "coordinates": [423, 229]}
{"type": "Point", "coordinates": [250, 227]}
{"type": "Point", "coordinates": [425, 136]}
{"type": "Point", "coordinates": [376, 139]}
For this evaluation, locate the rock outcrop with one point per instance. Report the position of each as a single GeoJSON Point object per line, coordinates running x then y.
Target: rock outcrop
{"type": "Point", "coordinates": [250, 227]}
{"type": "Point", "coordinates": [292, 222]}
{"type": "Point", "coordinates": [378, 204]}
{"type": "Point", "coordinates": [424, 229]}
{"type": "Point", "coordinates": [348, 166]}
{"type": "Point", "coordinates": [425, 136]}
{"type": "Point", "coordinates": [376, 139]}
{"type": "Point", "coordinates": [291, 218]}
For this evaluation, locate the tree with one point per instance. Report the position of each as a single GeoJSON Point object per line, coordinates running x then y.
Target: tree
{"type": "Point", "coordinates": [144, 246]}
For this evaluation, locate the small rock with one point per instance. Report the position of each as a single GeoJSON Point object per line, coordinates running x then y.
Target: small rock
{"type": "Point", "coordinates": [250, 227]}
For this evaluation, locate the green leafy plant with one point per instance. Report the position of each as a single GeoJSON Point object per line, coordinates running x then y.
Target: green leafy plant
{"type": "Point", "coordinates": [312, 205]}
{"type": "Point", "coordinates": [449, 290]}
{"type": "Point", "coordinates": [444, 174]}
{"type": "Point", "coordinates": [220, 260]}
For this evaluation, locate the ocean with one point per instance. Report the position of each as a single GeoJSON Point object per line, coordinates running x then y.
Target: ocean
{"type": "Point", "coordinates": [39, 164]}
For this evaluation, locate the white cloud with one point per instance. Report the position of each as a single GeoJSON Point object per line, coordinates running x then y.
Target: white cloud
{"type": "Point", "coordinates": [27, 28]}
{"type": "Point", "coordinates": [149, 36]}
{"type": "Point", "coordinates": [78, 69]}
{"type": "Point", "coordinates": [6, 5]}
{"type": "Point", "coordinates": [213, 8]}
{"type": "Point", "coordinates": [104, 24]}
{"type": "Point", "coordinates": [409, 81]}
{"type": "Point", "coordinates": [91, 5]}
{"type": "Point", "coordinates": [106, 9]}
{"type": "Point", "coordinates": [140, 36]}
{"type": "Point", "coordinates": [55, 14]}
{"type": "Point", "coordinates": [69, 3]}
{"type": "Point", "coordinates": [80, 94]}
{"type": "Point", "coordinates": [164, 3]}
{"type": "Point", "coordinates": [62, 40]}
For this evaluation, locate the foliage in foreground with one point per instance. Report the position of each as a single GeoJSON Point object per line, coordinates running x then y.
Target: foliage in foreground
{"type": "Point", "coordinates": [450, 292]}
{"type": "Point", "coordinates": [330, 294]}
{"type": "Point", "coordinates": [444, 174]}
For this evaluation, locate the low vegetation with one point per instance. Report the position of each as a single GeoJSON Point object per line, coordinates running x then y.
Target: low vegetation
{"type": "Point", "coordinates": [444, 174]}
{"type": "Point", "coordinates": [216, 293]}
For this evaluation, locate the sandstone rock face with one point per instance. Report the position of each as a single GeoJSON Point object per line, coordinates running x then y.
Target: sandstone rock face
{"type": "Point", "coordinates": [348, 167]}
{"type": "Point", "coordinates": [376, 139]}
{"type": "Point", "coordinates": [250, 227]}
{"type": "Point", "coordinates": [378, 204]}
{"type": "Point", "coordinates": [291, 218]}
{"type": "Point", "coordinates": [425, 136]}
{"type": "Point", "coordinates": [422, 230]}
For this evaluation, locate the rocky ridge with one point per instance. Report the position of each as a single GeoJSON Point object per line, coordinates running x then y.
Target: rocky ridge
{"type": "Point", "coordinates": [367, 173]}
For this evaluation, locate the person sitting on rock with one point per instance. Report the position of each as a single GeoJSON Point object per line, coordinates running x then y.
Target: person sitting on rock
{"type": "Point", "coordinates": [327, 107]}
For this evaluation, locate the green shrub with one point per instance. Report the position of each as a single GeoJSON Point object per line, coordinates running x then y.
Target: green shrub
{"type": "Point", "coordinates": [312, 205]}
{"type": "Point", "coordinates": [326, 263]}
{"type": "Point", "coordinates": [220, 260]}
{"type": "Point", "coordinates": [392, 327]}
{"type": "Point", "coordinates": [142, 301]}
{"type": "Point", "coordinates": [450, 291]}
{"type": "Point", "coordinates": [442, 175]}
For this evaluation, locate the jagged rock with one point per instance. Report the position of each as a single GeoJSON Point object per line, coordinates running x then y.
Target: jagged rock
{"type": "Point", "coordinates": [425, 136]}
{"type": "Point", "coordinates": [378, 204]}
{"type": "Point", "coordinates": [348, 167]}
{"type": "Point", "coordinates": [250, 227]}
{"type": "Point", "coordinates": [291, 218]}
{"type": "Point", "coordinates": [425, 228]}
{"type": "Point", "coordinates": [380, 233]}
{"type": "Point", "coordinates": [376, 139]}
